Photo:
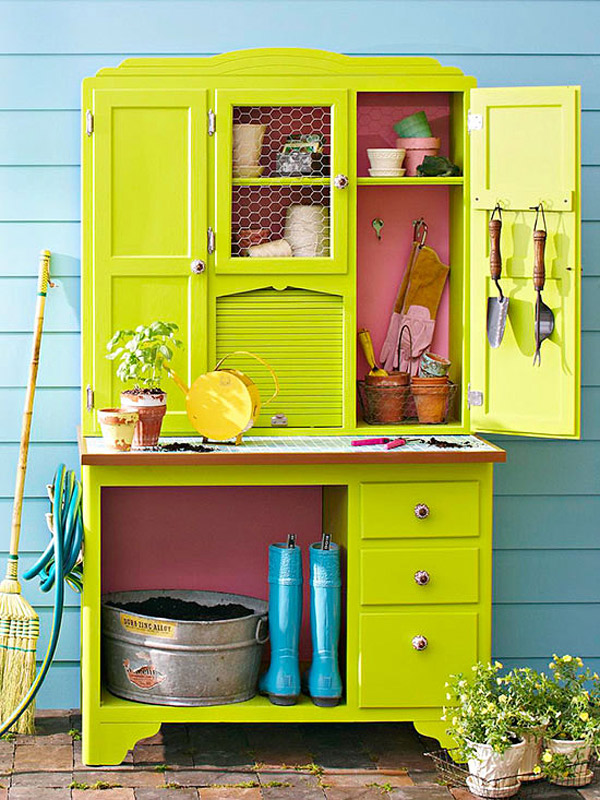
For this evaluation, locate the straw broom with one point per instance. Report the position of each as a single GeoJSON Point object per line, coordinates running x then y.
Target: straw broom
{"type": "Point", "coordinates": [19, 624]}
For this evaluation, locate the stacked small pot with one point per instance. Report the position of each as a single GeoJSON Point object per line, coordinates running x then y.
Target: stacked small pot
{"type": "Point", "coordinates": [136, 424]}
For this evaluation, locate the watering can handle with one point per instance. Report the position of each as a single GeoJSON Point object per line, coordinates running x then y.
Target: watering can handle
{"type": "Point", "coordinates": [263, 362]}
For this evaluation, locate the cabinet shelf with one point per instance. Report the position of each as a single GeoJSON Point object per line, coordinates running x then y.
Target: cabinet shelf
{"type": "Point", "coordinates": [457, 181]}
{"type": "Point", "coordinates": [258, 709]}
{"type": "Point", "coordinates": [285, 181]}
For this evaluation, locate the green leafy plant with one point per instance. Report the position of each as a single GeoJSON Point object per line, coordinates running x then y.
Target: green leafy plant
{"type": "Point", "coordinates": [480, 710]}
{"type": "Point", "coordinates": [142, 353]}
{"type": "Point", "coordinates": [574, 701]}
{"type": "Point", "coordinates": [528, 692]}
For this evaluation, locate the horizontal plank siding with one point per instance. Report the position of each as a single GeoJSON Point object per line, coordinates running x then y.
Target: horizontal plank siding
{"type": "Point", "coordinates": [541, 522]}
{"type": "Point", "coordinates": [546, 542]}
{"type": "Point", "coordinates": [180, 27]}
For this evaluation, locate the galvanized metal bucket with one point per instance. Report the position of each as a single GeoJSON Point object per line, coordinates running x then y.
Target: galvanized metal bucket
{"type": "Point", "coordinates": [173, 663]}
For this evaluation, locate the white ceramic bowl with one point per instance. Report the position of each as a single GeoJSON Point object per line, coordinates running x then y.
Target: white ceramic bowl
{"type": "Point", "coordinates": [386, 173]}
{"type": "Point", "coordinates": [386, 157]}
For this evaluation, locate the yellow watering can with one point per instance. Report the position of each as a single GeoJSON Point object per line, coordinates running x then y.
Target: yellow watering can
{"type": "Point", "coordinates": [225, 403]}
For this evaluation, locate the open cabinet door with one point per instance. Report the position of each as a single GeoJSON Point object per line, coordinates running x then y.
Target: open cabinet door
{"type": "Point", "coordinates": [524, 150]}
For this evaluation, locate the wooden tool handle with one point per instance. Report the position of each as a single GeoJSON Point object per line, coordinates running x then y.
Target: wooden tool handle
{"type": "Point", "coordinates": [495, 255]}
{"type": "Point", "coordinates": [539, 268]}
{"type": "Point", "coordinates": [44, 272]}
{"type": "Point", "coordinates": [364, 337]}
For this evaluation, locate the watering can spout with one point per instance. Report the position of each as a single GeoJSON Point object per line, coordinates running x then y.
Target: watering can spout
{"type": "Point", "coordinates": [184, 388]}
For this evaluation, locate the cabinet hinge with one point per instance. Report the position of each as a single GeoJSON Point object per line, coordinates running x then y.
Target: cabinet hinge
{"type": "Point", "coordinates": [89, 398]}
{"type": "Point", "coordinates": [474, 122]}
{"type": "Point", "coordinates": [210, 240]}
{"type": "Point", "coordinates": [474, 398]}
{"type": "Point", "coordinates": [212, 122]}
{"type": "Point", "coordinates": [89, 122]}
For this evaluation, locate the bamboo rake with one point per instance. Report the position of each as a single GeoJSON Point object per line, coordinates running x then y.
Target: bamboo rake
{"type": "Point", "coordinates": [19, 624]}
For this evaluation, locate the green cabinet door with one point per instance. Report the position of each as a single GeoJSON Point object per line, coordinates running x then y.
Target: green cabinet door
{"type": "Point", "coordinates": [524, 147]}
{"type": "Point", "coordinates": [281, 188]}
{"type": "Point", "coordinates": [147, 189]}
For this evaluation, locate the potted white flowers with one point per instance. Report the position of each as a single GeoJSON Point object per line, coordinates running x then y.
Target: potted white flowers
{"type": "Point", "coordinates": [484, 727]}
{"type": "Point", "coordinates": [573, 722]}
{"type": "Point", "coordinates": [142, 354]}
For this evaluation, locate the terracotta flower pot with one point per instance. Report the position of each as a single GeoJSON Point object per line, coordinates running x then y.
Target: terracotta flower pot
{"type": "Point", "coordinates": [416, 150]}
{"type": "Point", "coordinates": [151, 408]}
{"type": "Point", "coordinates": [387, 396]}
{"type": "Point", "coordinates": [429, 380]}
{"type": "Point", "coordinates": [431, 401]}
{"type": "Point", "coordinates": [118, 428]}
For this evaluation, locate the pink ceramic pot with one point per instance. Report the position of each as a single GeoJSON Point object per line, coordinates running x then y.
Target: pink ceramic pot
{"type": "Point", "coordinates": [416, 150]}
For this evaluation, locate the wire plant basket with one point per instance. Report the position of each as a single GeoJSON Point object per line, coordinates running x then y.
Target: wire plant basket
{"type": "Point", "coordinates": [524, 786]}
{"type": "Point", "coordinates": [395, 405]}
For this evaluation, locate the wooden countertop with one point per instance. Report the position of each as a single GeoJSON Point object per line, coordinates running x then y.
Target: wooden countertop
{"type": "Point", "coordinates": [281, 450]}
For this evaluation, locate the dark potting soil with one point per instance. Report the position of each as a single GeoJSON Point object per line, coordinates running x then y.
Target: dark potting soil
{"type": "Point", "coordinates": [184, 610]}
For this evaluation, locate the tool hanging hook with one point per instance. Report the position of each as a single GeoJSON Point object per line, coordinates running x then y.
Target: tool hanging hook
{"type": "Point", "coordinates": [420, 229]}
{"type": "Point", "coordinates": [539, 209]}
{"type": "Point", "coordinates": [495, 232]}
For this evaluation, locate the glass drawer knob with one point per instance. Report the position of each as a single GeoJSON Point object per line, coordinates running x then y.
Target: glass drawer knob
{"type": "Point", "coordinates": [422, 577]}
{"type": "Point", "coordinates": [198, 266]}
{"type": "Point", "coordinates": [419, 642]}
{"type": "Point", "coordinates": [340, 181]}
{"type": "Point", "coordinates": [421, 511]}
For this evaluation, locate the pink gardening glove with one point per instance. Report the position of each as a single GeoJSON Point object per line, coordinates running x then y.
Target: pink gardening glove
{"type": "Point", "coordinates": [389, 350]}
{"type": "Point", "coordinates": [421, 327]}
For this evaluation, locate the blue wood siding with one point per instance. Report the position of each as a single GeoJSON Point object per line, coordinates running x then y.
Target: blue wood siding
{"type": "Point", "coordinates": [547, 545]}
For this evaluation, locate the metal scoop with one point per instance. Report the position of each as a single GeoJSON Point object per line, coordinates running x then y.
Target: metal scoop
{"type": "Point", "coordinates": [544, 318]}
{"type": "Point", "coordinates": [497, 309]}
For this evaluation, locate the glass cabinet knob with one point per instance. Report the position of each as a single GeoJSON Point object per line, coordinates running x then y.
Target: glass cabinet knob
{"type": "Point", "coordinates": [422, 577]}
{"type": "Point", "coordinates": [340, 181]}
{"type": "Point", "coordinates": [421, 511]}
{"type": "Point", "coordinates": [419, 642]}
{"type": "Point", "coordinates": [198, 266]}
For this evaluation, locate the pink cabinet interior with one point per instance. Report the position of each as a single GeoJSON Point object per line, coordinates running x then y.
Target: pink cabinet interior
{"type": "Point", "coordinates": [207, 538]}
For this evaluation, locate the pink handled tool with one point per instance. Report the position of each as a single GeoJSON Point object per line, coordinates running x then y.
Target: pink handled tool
{"type": "Point", "coordinates": [395, 443]}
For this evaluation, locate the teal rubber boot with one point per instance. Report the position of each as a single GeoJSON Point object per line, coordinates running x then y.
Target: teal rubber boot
{"type": "Point", "coordinates": [281, 682]}
{"type": "Point", "coordinates": [323, 682]}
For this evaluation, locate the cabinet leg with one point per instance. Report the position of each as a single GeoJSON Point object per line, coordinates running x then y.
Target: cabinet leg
{"type": "Point", "coordinates": [435, 729]}
{"type": "Point", "coordinates": [107, 743]}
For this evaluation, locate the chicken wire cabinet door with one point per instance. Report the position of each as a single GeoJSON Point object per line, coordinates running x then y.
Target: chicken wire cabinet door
{"type": "Point", "coordinates": [525, 152]}
{"type": "Point", "coordinates": [281, 182]}
{"type": "Point", "coordinates": [149, 213]}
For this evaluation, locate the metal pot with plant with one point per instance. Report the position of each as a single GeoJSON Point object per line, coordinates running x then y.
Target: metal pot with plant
{"type": "Point", "coordinates": [141, 355]}
{"type": "Point", "coordinates": [483, 725]}
{"type": "Point", "coordinates": [573, 731]}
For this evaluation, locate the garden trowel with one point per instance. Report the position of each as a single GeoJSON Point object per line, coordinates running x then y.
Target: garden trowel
{"type": "Point", "coordinates": [497, 309]}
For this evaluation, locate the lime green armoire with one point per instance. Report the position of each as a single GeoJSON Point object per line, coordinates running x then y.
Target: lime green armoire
{"type": "Point", "coordinates": [169, 217]}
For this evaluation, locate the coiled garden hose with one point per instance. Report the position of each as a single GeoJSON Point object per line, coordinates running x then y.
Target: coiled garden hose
{"type": "Point", "coordinates": [58, 564]}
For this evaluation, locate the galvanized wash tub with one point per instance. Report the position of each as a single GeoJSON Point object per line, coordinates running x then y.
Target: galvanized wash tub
{"type": "Point", "coordinates": [174, 663]}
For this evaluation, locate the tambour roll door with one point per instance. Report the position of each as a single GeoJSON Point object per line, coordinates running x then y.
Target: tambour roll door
{"type": "Point", "coordinates": [300, 333]}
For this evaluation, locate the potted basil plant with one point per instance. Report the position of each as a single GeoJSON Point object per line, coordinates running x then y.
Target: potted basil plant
{"type": "Point", "coordinates": [141, 355]}
{"type": "Point", "coordinates": [574, 722]}
{"type": "Point", "coordinates": [483, 725]}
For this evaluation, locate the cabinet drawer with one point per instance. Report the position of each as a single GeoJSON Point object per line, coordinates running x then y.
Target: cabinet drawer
{"type": "Point", "coordinates": [401, 510]}
{"type": "Point", "coordinates": [393, 674]}
{"type": "Point", "coordinates": [443, 575]}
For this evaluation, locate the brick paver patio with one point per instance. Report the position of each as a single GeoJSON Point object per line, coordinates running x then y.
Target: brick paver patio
{"type": "Point", "coordinates": [236, 762]}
